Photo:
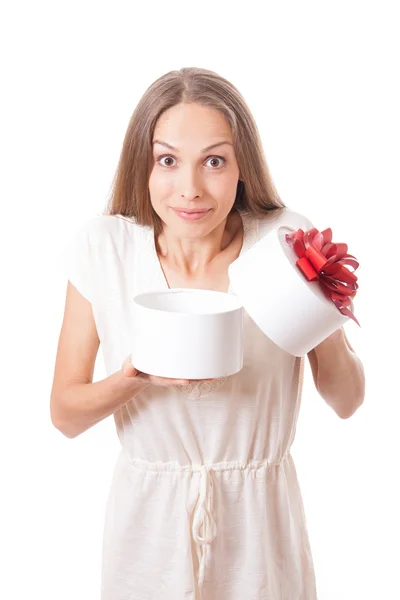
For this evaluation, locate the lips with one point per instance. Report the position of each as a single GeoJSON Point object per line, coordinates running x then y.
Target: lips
{"type": "Point", "coordinates": [191, 211]}
{"type": "Point", "coordinates": [191, 214]}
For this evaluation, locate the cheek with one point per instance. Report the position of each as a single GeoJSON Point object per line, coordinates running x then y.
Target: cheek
{"type": "Point", "coordinates": [159, 184]}
{"type": "Point", "coordinates": [223, 188]}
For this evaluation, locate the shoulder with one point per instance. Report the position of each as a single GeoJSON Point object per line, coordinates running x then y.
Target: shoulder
{"type": "Point", "coordinates": [286, 216]}
{"type": "Point", "coordinates": [104, 225]}
{"type": "Point", "coordinates": [111, 230]}
{"type": "Point", "coordinates": [296, 219]}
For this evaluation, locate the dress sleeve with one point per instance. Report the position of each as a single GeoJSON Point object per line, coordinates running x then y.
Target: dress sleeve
{"type": "Point", "coordinates": [77, 260]}
{"type": "Point", "coordinates": [300, 220]}
{"type": "Point", "coordinates": [296, 219]}
{"type": "Point", "coordinates": [307, 223]}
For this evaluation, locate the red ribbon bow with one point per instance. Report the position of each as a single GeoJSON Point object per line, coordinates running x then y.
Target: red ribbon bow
{"type": "Point", "coordinates": [321, 259]}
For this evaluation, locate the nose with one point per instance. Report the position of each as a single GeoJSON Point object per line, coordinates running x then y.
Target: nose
{"type": "Point", "coordinates": [190, 184]}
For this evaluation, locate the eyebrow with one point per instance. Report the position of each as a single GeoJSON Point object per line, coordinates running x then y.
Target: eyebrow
{"type": "Point", "coordinates": [204, 149]}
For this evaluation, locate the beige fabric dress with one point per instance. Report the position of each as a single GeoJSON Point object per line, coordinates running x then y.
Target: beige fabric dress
{"type": "Point", "coordinates": [204, 502]}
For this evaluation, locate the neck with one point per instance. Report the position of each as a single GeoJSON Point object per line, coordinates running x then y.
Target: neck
{"type": "Point", "coordinates": [194, 257]}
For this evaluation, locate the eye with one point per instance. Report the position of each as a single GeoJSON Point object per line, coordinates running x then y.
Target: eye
{"type": "Point", "coordinates": [217, 158]}
{"type": "Point", "coordinates": [169, 157]}
{"type": "Point", "coordinates": [160, 158]}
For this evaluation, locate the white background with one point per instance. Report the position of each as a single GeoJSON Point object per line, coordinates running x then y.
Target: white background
{"type": "Point", "coordinates": [321, 80]}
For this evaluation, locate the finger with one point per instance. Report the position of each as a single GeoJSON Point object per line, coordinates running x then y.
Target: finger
{"type": "Point", "coordinates": [128, 369]}
{"type": "Point", "coordinates": [168, 381]}
{"type": "Point", "coordinates": [178, 381]}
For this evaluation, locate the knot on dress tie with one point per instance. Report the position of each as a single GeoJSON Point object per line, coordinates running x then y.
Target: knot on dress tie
{"type": "Point", "coordinates": [204, 529]}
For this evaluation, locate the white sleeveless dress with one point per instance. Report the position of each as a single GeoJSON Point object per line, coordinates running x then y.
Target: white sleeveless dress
{"type": "Point", "coordinates": [204, 502]}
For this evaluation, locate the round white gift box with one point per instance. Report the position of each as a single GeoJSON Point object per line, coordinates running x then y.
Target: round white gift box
{"type": "Point", "coordinates": [186, 333]}
{"type": "Point", "coordinates": [292, 311]}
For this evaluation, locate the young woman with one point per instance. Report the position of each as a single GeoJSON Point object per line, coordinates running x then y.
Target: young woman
{"type": "Point", "coordinates": [204, 502]}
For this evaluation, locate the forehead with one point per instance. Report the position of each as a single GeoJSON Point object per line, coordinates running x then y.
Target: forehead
{"type": "Point", "coordinates": [183, 121]}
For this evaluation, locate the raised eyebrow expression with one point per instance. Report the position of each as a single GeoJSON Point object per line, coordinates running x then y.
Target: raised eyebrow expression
{"type": "Point", "coordinates": [204, 149]}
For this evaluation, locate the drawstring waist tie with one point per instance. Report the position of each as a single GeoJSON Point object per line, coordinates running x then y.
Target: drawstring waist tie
{"type": "Point", "coordinates": [204, 528]}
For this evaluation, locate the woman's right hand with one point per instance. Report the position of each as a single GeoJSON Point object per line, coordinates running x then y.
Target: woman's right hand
{"type": "Point", "coordinates": [130, 371]}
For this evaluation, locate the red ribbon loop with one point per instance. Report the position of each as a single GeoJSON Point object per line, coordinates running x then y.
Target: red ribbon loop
{"type": "Point", "coordinates": [320, 259]}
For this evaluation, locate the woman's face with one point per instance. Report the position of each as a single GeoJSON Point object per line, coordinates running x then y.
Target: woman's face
{"type": "Point", "coordinates": [189, 176]}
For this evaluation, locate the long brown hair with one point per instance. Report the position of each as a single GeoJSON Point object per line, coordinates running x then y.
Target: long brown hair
{"type": "Point", "coordinates": [130, 195]}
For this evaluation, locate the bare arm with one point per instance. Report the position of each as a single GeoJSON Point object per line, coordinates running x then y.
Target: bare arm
{"type": "Point", "coordinates": [76, 403]}
{"type": "Point", "coordinates": [338, 374]}
{"type": "Point", "coordinates": [82, 405]}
